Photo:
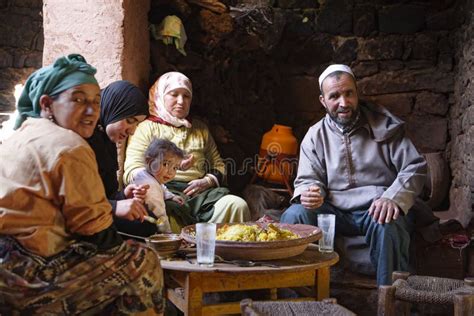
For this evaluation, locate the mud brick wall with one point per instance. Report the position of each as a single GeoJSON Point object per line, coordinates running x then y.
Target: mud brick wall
{"type": "Point", "coordinates": [111, 34]}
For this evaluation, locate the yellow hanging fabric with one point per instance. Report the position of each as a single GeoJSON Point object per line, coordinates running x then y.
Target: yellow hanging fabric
{"type": "Point", "coordinates": [171, 30]}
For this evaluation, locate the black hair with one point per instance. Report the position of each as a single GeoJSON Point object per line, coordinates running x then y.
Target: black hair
{"type": "Point", "coordinates": [157, 149]}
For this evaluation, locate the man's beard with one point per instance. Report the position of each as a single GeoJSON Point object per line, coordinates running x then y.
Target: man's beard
{"type": "Point", "coordinates": [345, 124]}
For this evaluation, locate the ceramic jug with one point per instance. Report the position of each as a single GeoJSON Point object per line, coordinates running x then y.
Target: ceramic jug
{"type": "Point", "coordinates": [278, 155]}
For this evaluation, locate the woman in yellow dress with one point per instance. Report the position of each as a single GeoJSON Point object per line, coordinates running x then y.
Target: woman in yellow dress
{"type": "Point", "coordinates": [202, 176]}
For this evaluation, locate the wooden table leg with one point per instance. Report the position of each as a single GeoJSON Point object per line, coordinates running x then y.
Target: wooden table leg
{"type": "Point", "coordinates": [322, 283]}
{"type": "Point", "coordinates": [273, 294]}
{"type": "Point", "coordinates": [193, 295]}
{"type": "Point", "coordinates": [463, 304]}
{"type": "Point", "coordinates": [386, 302]}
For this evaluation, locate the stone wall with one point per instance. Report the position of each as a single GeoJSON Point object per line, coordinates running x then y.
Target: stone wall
{"type": "Point", "coordinates": [21, 45]}
{"type": "Point", "coordinates": [263, 68]}
{"type": "Point", "coordinates": [461, 146]}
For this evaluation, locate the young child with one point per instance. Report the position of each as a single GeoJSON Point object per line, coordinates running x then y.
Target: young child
{"type": "Point", "coordinates": [162, 159]}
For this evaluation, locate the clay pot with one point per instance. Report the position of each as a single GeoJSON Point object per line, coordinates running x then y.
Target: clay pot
{"type": "Point", "coordinates": [278, 155]}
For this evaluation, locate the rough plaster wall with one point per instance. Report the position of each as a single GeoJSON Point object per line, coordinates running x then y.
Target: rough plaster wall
{"type": "Point", "coordinates": [136, 52]}
{"type": "Point", "coordinates": [93, 28]}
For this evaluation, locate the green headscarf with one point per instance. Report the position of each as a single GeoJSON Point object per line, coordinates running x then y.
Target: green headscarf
{"type": "Point", "coordinates": [66, 72]}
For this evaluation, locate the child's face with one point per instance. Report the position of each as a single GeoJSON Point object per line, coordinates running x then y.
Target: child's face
{"type": "Point", "coordinates": [168, 167]}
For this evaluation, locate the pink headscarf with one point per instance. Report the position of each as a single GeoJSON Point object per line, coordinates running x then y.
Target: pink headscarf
{"type": "Point", "coordinates": [166, 83]}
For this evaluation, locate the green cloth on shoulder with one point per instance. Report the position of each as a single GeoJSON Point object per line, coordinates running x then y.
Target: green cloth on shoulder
{"type": "Point", "coordinates": [66, 72]}
{"type": "Point", "coordinates": [196, 209]}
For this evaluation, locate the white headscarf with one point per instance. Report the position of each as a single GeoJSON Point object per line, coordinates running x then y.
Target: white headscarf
{"type": "Point", "coordinates": [166, 83]}
{"type": "Point", "coordinates": [331, 69]}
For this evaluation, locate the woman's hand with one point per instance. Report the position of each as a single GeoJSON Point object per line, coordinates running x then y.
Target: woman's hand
{"type": "Point", "coordinates": [131, 209]}
{"type": "Point", "coordinates": [187, 162]}
{"type": "Point", "coordinates": [136, 191]}
{"type": "Point", "coordinates": [197, 186]}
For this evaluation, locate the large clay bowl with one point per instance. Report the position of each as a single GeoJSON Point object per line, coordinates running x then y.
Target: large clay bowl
{"type": "Point", "coordinates": [268, 250]}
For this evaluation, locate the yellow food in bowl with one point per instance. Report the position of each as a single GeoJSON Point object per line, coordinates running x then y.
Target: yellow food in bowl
{"type": "Point", "coordinates": [252, 233]}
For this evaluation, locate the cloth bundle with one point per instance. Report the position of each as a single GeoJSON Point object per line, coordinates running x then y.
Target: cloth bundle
{"type": "Point", "coordinates": [171, 31]}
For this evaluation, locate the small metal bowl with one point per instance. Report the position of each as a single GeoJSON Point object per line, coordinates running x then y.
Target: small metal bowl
{"type": "Point", "coordinates": [165, 244]}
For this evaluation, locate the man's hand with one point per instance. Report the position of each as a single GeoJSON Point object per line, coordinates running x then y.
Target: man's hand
{"type": "Point", "coordinates": [136, 191]}
{"type": "Point", "coordinates": [384, 210]}
{"type": "Point", "coordinates": [311, 198]}
{"type": "Point", "coordinates": [130, 209]}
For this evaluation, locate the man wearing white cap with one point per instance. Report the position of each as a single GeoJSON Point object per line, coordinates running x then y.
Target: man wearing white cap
{"type": "Point", "coordinates": [356, 163]}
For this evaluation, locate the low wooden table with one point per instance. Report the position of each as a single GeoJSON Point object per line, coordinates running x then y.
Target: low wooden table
{"type": "Point", "coordinates": [311, 268]}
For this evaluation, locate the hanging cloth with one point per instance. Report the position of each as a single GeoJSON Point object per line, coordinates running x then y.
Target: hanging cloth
{"type": "Point", "coordinates": [170, 30]}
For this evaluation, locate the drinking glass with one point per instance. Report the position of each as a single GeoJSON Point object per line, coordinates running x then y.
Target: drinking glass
{"type": "Point", "coordinates": [327, 223]}
{"type": "Point", "coordinates": [206, 243]}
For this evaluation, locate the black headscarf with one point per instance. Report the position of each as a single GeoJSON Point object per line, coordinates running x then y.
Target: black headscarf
{"type": "Point", "coordinates": [120, 100]}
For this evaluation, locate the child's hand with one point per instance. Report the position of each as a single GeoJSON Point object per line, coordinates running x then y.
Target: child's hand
{"type": "Point", "coordinates": [187, 162]}
{"type": "Point", "coordinates": [136, 191]}
{"type": "Point", "coordinates": [140, 192]}
{"type": "Point", "coordinates": [178, 199]}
